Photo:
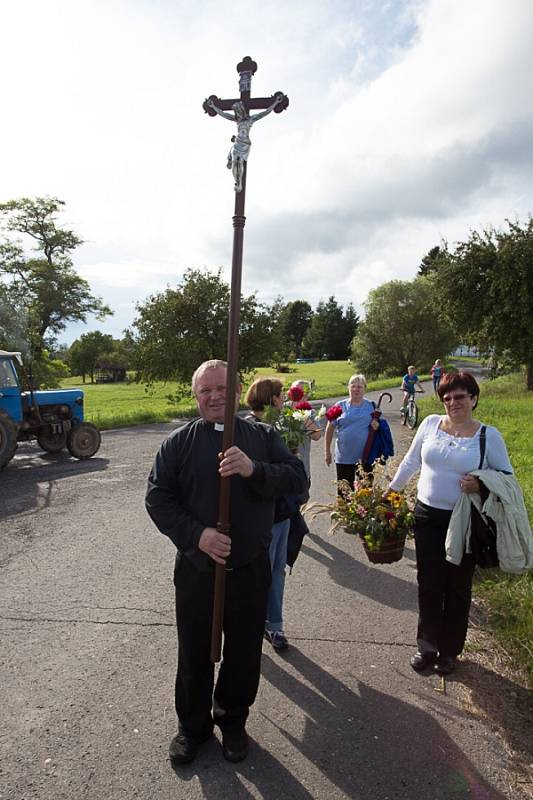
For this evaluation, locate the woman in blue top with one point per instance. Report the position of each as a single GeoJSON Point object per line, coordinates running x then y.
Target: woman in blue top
{"type": "Point", "coordinates": [351, 428]}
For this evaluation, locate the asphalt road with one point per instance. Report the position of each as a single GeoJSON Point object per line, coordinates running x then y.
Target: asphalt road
{"type": "Point", "coordinates": [88, 657]}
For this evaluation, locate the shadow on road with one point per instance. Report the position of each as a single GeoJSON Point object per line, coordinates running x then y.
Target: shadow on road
{"type": "Point", "coordinates": [26, 484]}
{"type": "Point", "coordinates": [507, 705]}
{"type": "Point", "coordinates": [346, 571]}
{"type": "Point", "coordinates": [368, 745]}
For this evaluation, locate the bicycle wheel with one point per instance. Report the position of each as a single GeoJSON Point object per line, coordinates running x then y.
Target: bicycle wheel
{"type": "Point", "coordinates": [412, 415]}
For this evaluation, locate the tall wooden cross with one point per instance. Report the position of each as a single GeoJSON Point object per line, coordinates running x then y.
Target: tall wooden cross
{"type": "Point", "coordinates": [237, 162]}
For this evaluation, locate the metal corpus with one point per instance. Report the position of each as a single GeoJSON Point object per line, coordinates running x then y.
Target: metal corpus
{"type": "Point", "coordinates": [213, 106]}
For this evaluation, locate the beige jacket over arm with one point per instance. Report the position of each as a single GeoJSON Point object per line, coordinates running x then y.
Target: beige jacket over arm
{"type": "Point", "coordinates": [505, 505]}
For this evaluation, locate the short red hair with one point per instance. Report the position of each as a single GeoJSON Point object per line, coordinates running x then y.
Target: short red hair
{"type": "Point", "coordinates": [459, 380]}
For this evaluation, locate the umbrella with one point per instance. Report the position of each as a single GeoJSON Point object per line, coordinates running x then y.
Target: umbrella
{"type": "Point", "coordinates": [379, 441]}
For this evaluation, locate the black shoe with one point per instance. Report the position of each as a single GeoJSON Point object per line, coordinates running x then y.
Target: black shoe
{"type": "Point", "coordinates": [421, 661]}
{"type": "Point", "coordinates": [277, 639]}
{"type": "Point", "coordinates": [445, 665]}
{"type": "Point", "coordinates": [234, 744]}
{"type": "Point", "coordinates": [184, 747]}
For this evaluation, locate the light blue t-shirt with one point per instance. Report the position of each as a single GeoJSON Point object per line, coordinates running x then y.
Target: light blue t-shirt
{"type": "Point", "coordinates": [351, 430]}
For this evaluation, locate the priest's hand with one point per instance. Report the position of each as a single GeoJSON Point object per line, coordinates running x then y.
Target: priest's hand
{"type": "Point", "coordinates": [235, 462]}
{"type": "Point", "coordinates": [217, 545]}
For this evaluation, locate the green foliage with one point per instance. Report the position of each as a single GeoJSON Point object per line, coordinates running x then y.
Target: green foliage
{"type": "Point", "coordinates": [506, 404]}
{"type": "Point", "coordinates": [293, 322]}
{"type": "Point", "coordinates": [486, 288]}
{"type": "Point", "coordinates": [403, 325]}
{"type": "Point", "coordinates": [95, 347]}
{"type": "Point", "coordinates": [177, 329]}
{"type": "Point", "coordinates": [46, 292]}
{"type": "Point", "coordinates": [331, 331]}
{"type": "Point", "coordinates": [48, 372]}
{"type": "Point", "coordinates": [430, 262]}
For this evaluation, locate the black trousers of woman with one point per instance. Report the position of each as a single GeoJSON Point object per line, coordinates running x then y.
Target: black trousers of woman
{"type": "Point", "coordinates": [244, 623]}
{"type": "Point", "coordinates": [347, 472]}
{"type": "Point", "coordinates": [444, 589]}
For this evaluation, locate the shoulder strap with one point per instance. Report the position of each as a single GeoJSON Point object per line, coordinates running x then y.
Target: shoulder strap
{"type": "Point", "coordinates": [482, 445]}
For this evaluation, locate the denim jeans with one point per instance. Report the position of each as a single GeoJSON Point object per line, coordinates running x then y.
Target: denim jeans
{"type": "Point", "coordinates": [278, 561]}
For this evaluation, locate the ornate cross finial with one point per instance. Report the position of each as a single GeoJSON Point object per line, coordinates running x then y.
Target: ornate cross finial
{"type": "Point", "coordinates": [241, 142]}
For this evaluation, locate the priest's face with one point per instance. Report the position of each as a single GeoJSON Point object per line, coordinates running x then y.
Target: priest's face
{"type": "Point", "coordinates": [210, 393]}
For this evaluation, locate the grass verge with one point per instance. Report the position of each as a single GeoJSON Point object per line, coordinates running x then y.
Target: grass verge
{"type": "Point", "coordinates": [508, 599]}
{"type": "Point", "coordinates": [120, 405]}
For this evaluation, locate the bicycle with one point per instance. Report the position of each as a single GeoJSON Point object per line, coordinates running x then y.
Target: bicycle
{"type": "Point", "coordinates": [409, 412]}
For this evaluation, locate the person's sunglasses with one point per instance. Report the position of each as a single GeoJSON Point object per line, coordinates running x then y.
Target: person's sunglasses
{"type": "Point", "coordinates": [449, 397]}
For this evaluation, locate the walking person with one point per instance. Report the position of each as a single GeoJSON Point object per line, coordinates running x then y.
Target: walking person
{"type": "Point", "coordinates": [262, 393]}
{"type": "Point", "coordinates": [437, 373]}
{"type": "Point", "coordinates": [446, 449]}
{"type": "Point", "coordinates": [182, 500]}
{"type": "Point", "coordinates": [351, 429]}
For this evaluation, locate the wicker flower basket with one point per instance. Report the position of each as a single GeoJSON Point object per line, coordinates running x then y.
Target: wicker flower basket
{"type": "Point", "coordinates": [390, 550]}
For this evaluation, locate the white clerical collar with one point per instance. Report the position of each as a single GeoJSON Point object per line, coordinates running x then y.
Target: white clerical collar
{"type": "Point", "coordinates": [219, 426]}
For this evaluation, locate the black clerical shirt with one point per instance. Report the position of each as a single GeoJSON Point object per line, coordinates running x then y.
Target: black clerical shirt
{"type": "Point", "coordinates": [183, 488]}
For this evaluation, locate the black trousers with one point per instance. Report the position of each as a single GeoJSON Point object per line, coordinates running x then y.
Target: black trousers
{"type": "Point", "coordinates": [347, 472]}
{"type": "Point", "coordinates": [444, 589]}
{"type": "Point", "coordinates": [244, 622]}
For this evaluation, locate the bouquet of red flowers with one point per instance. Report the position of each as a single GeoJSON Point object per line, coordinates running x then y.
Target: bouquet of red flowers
{"type": "Point", "coordinates": [295, 394]}
{"type": "Point", "coordinates": [334, 412]}
{"type": "Point", "coordinates": [303, 405]}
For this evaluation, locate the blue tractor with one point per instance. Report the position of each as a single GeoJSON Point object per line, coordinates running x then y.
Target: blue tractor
{"type": "Point", "coordinates": [54, 418]}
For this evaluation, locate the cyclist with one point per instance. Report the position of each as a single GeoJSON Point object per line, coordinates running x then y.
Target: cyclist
{"type": "Point", "coordinates": [437, 373]}
{"type": "Point", "coordinates": [409, 383]}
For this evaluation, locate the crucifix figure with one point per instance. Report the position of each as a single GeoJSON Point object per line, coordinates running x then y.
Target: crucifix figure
{"type": "Point", "coordinates": [241, 143]}
{"type": "Point", "coordinates": [237, 162]}
{"type": "Point", "coordinates": [240, 148]}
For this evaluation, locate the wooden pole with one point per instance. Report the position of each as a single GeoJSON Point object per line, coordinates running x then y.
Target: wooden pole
{"type": "Point", "coordinates": [229, 417]}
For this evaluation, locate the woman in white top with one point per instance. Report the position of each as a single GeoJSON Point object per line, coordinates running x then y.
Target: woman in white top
{"type": "Point", "coordinates": [445, 449]}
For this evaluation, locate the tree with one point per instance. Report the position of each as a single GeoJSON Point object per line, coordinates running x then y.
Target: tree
{"type": "Point", "coordinates": [46, 290]}
{"type": "Point", "coordinates": [430, 262]}
{"type": "Point", "coordinates": [294, 322]}
{"type": "Point", "coordinates": [486, 288]}
{"type": "Point", "coordinates": [403, 325]}
{"type": "Point", "coordinates": [177, 329]}
{"type": "Point", "coordinates": [330, 331]}
{"type": "Point", "coordinates": [86, 351]}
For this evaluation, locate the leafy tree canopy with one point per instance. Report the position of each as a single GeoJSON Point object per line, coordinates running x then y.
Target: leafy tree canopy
{"type": "Point", "coordinates": [486, 288]}
{"type": "Point", "coordinates": [330, 331]}
{"type": "Point", "coordinates": [177, 329]}
{"type": "Point", "coordinates": [403, 325]}
{"type": "Point", "coordinates": [43, 290]}
{"type": "Point", "coordinates": [85, 352]}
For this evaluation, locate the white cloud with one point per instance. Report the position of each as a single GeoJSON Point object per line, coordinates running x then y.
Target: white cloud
{"type": "Point", "coordinates": [408, 122]}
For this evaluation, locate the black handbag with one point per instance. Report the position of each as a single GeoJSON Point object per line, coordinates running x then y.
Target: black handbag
{"type": "Point", "coordinates": [483, 528]}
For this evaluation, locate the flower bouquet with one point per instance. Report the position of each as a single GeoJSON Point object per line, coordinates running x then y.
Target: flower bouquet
{"type": "Point", "coordinates": [289, 422]}
{"type": "Point", "coordinates": [382, 520]}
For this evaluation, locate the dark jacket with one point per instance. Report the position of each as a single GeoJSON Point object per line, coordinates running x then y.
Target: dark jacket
{"type": "Point", "coordinates": [183, 488]}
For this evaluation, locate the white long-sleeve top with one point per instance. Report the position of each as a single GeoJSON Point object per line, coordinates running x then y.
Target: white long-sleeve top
{"type": "Point", "coordinates": [444, 459]}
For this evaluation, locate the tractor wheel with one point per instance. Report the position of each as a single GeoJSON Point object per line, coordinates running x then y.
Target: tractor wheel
{"type": "Point", "coordinates": [51, 442]}
{"type": "Point", "coordinates": [8, 439]}
{"type": "Point", "coordinates": [83, 440]}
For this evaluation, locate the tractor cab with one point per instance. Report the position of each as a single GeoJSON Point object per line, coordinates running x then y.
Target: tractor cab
{"type": "Point", "coordinates": [10, 392]}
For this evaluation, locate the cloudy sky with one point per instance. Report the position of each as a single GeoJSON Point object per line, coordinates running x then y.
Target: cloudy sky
{"type": "Point", "coordinates": [410, 121]}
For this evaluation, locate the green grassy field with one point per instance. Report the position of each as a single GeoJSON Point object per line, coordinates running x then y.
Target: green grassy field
{"type": "Point", "coordinates": [119, 405]}
{"type": "Point", "coordinates": [507, 405]}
